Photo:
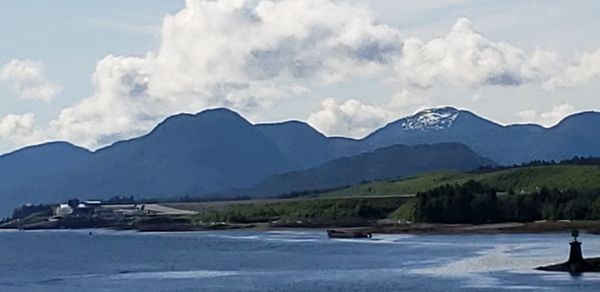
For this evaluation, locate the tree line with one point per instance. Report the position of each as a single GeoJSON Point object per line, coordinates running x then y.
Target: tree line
{"type": "Point", "coordinates": [576, 160]}
{"type": "Point", "coordinates": [473, 202]}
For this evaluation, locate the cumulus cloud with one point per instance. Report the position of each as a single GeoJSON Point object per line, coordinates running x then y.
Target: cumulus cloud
{"type": "Point", "coordinates": [403, 101]}
{"type": "Point", "coordinates": [246, 55]}
{"type": "Point", "coordinates": [253, 55]}
{"type": "Point", "coordinates": [351, 118]}
{"type": "Point", "coordinates": [547, 118]}
{"type": "Point", "coordinates": [27, 79]}
{"type": "Point", "coordinates": [356, 119]}
{"type": "Point", "coordinates": [464, 57]}
{"type": "Point", "coordinates": [19, 128]}
{"type": "Point", "coordinates": [16, 124]}
{"type": "Point", "coordinates": [585, 69]}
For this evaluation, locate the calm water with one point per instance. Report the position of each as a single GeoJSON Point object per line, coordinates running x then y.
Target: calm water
{"type": "Point", "coordinates": [283, 261]}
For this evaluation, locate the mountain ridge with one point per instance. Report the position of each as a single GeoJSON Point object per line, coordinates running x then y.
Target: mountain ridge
{"type": "Point", "coordinates": [505, 144]}
{"type": "Point", "coordinates": [218, 149]}
{"type": "Point", "coordinates": [303, 123]}
{"type": "Point", "coordinates": [384, 163]}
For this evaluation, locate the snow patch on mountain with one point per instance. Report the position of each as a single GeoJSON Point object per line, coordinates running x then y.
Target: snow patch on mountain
{"type": "Point", "coordinates": [431, 119]}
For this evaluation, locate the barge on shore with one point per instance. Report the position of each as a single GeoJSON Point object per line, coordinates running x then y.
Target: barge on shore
{"type": "Point", "coordinates": [335, 233]}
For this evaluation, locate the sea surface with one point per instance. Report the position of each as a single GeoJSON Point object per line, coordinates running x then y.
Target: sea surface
{"type": "Point", "coordinates": [284, 261]}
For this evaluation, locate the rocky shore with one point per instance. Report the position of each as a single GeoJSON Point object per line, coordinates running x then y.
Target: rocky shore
{"type": "Point", "coordinates": [576, 262]}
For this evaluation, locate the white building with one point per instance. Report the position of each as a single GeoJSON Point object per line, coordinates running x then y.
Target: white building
{"type": "Point", "coordinates": [63, 210]}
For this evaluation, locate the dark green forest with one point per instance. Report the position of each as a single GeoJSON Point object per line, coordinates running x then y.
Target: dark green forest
{"type": "Point", "coordinates": [474, 202]}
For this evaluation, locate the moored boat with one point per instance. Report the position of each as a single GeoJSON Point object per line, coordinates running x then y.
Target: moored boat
{"type": "Point", "coordinates": [333, 233]}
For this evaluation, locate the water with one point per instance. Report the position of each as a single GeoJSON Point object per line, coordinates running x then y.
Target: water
{"type": "Point", "coordinates": [284, 261]}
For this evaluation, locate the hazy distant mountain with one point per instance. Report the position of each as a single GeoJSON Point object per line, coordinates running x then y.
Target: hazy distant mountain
{"type": "Point", "coordinates": [385, 163]}
{"type": "Point", "coordinates": [578, 134]}
{"type": "Point", "coordinates": [216, 150]}
{"type": "Point", "coordinates": [575, 135]}
{"type": "Point", "coordinates": [43, 159]}
{"type": "Point", "coordinates": [27, 174]}
{"type": "Point", "coordinates": [184, 155]}
{"type": "Point", "coordinates": [306, 146]}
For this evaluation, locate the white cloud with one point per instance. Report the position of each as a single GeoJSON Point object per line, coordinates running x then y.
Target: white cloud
{"type": "Point", "coordinates": [27, 79]}
{"type": "Point", "coordinates": [357, 119]}
{"type": "Point", "coordinates": [254, 55]}
{"type": "Point", "coordinates": [585, 69]}
{"type": "Point", "coordinates": [247, 55]}
{"type": "Point", "coordinates": [19, 128]}
{"type": "Point", "coordinates": [351, 118]}
{"type": "Point", "coordinates": [528, 116]}
{"type": "Point", "coordinates": [547, 118]}
{"type": "Point", "coordinates": [464, 57]}
{"type": "Point", "coordinates": [404, 102]}
{"type": "Point", "coordinates": [17, 124]}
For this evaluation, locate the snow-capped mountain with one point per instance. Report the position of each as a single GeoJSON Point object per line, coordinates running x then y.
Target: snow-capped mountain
{"type": "Point", "coordinates": [578, 134]}
{"type": "Point", "coordinates": [430, 119]}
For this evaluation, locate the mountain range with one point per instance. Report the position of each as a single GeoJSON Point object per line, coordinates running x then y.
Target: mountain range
{"type": "Point", "coordinates": [578, 134]}
{"type": "Point", "coordinates": [218, 150]}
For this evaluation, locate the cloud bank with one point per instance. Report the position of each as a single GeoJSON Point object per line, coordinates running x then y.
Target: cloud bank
{"type": "Point", "coordinates": [246, 55]}
{"type": "Point", "coordinates": [547, 118]}
{"type": "Point", "coordinates": [253, 56]}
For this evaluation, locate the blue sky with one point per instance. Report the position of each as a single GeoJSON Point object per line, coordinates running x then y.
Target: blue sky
{"type": "Point", "coordinates": [92, 72]}
{"type": "Point", "coordinates": [70, 37]}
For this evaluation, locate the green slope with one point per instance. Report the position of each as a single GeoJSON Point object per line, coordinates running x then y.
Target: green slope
{"type": "Point", "coordinates": [525, 179]}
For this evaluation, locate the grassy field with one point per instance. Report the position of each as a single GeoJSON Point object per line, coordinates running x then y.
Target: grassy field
{"type": "Point", "coordinates": [388, 199]}
{"type": "Point", "coordinates": [520, 180]}
{"type": "Point", "coordinates": [302, 211]}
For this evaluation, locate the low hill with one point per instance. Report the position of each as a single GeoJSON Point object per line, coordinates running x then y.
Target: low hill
{"type": "Point", "coordinates": [583, 178]}
{"type": "Point", "coordinates": [386, 163]}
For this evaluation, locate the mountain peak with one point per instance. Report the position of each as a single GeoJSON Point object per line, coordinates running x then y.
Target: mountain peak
{"type": "Point", "coordinates": [586, 115]}
{"type": "Point", "coordinates": [209, 114]}
{"type": "Point", "coordinates": [577, 121]}
{"type": "Point", "coordinates": [291, 126]}
{"type": "Point", "coordinates": [430, 119]}
{"type": "Point", "coordinates": [219, 115]}
{"type": "Point", "coordinates": [218, 111]}
{"type": "Point", "coordinates": [44, 148]}
{"type": "Point", "coordinates": [216, 115]}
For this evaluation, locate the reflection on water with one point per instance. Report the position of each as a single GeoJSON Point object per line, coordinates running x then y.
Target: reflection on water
{"type": "Point", "coordinates": [284, 261]}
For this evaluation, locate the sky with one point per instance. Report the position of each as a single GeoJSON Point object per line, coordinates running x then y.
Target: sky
{"type": "Point", "coordinates": [94, 72]}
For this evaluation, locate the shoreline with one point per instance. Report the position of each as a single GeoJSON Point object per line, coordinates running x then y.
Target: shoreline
{"type": "Point", "coordinates": [591, 227]}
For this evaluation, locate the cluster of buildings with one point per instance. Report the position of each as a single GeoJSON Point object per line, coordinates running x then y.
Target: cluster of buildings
{"type": "Point", "coordinates": [88, 209]}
